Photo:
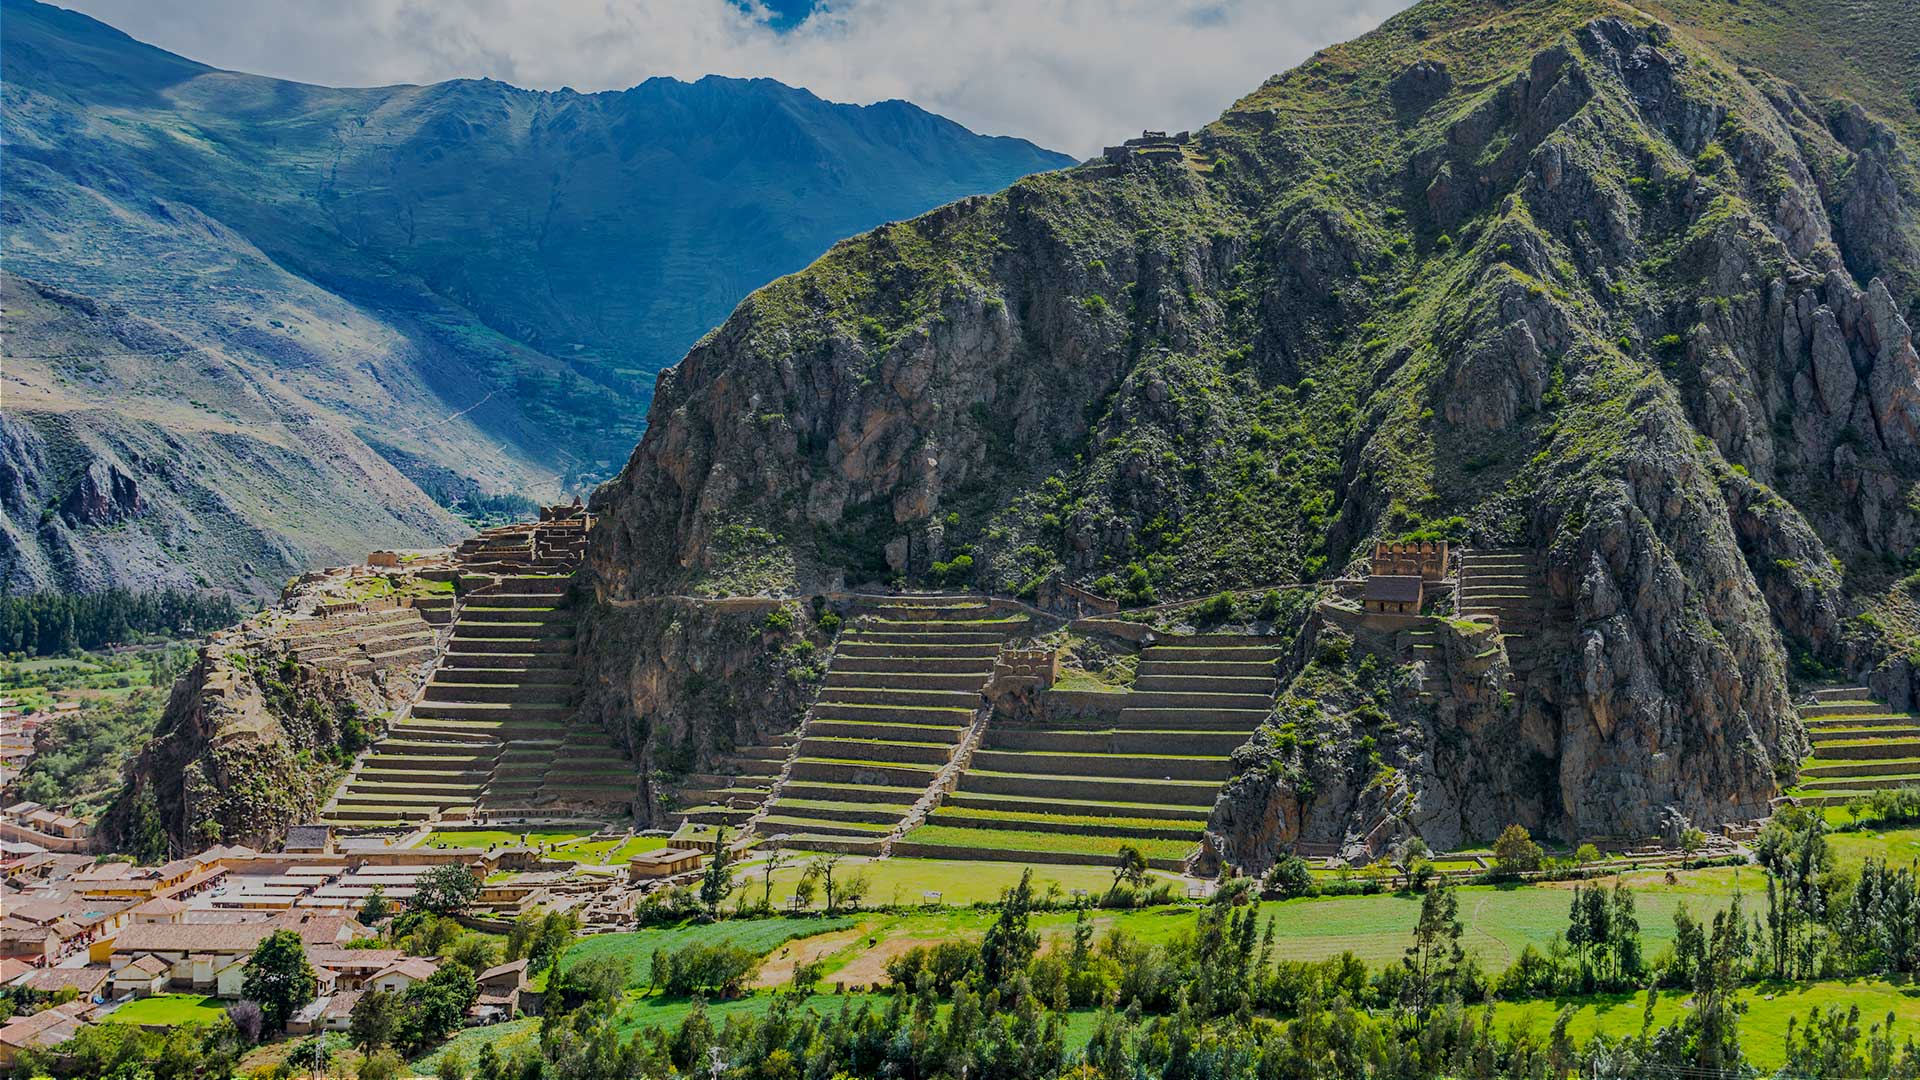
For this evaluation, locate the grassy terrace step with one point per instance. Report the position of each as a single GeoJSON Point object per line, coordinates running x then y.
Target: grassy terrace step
{"type": "Point", "coordinates": [1009, 840]}
{"type": "Point", "coordinates": [1087, 824]}
{"type": "Point", "coordinates": [1105, 766]}
{"type": "Point", "coordinates": [1057, 786]}
{"type": "Point", "coordinates": [851, 845]}
{"type": "Point", "coordinates": [1162, 719]}
{"type": "Point", "coordinates": [1005, 804]}
{"type": "Point", "coordinates": [1821, 767]}
{"type": "Point", "coordinates": [1821, 736]}
{"type": "Point", "coordinates": [875, 750]}
{"type": "Point", "coordinates": [978, 666]}
{"type": "Point", "coordinates": [904, 714]}
{"type": "Point", "coordinates": [1110, 740]}
{"type": "Point", "coordinates": [833, 791]}
{"type": "Point", "coordinates": [841, 811]}
{"type": "Point", "coordinates": [1857, 784]}
{"type": "Point", "coordinates": [1870, 749]}
{"type": "Point", "coordinates": [944, 642]}
{"type": "Point", "coordinates": [966, 682]}
{"type": "Point", "coordinates": [883, 649]}
{"type": "Point", "coordinates": [1260, 669]}
{"type": "Point", "coordinates": [780, 821]}
{"type": "Point", "coordinates": [1261, 685]}
{"type": "Point", "coordinates": [846, 771]}
{"type": "Point", "coordinates": [937, 699]}
{"type": "Point", "coordinates": [856, 729]}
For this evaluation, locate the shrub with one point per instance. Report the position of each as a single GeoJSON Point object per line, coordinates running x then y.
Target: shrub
{"type": "Point", "coordinates": [1289, 877]}
{"type": "Point", "coordinates": [1215, 609]}
{"type": "Point", "coordinates": [1515, 852]}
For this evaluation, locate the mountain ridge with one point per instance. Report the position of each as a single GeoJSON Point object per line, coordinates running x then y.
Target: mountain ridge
{"type": "Point", "coordinates": [498, 337]}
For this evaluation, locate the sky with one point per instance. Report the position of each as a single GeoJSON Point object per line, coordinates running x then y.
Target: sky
{"type": "Point", "coordinates": [1071, 75]}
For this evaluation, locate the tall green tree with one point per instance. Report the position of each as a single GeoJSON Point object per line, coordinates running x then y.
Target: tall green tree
{"type": "Point", "coordinates": [279, 977]}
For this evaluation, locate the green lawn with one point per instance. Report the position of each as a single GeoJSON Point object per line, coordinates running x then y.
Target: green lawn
{"type": "Point", "coordinates": [168, 1009]}
{"type": "Point", "coordinates": [1763, 1027]}
{"type": "Point", "coordinates": [1897, 846]}
{"type": "Point", "coordinates": [1499, 920]}
{"type": "Point", "coordinates": [637, 948]}
{"type": "Point", "coordinates": [907, 881]}
{"type": "Point", "coordinates": [1016, 840]}
{"type": "Point", "coordinates": [613, 852]}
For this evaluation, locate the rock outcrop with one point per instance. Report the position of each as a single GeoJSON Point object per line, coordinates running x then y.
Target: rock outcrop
{"type": "Point", "coordinates": [259, 730]}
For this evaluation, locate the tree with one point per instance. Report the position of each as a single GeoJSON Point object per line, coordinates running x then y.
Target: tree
{"type": "Point", "coordinates": [717, 883]}
{"type": "Point", "coordinates": [476, 951]}
{"type": "Point", "coordinates": [1290, 877]}
{"type": "Point", "coordinates": [446, 889]}
{"type": "Point", "coordinates": [775, 860]}
{"type": "Point", "coordinates": [375, 1020]}
{"type": "Point", "coordinates": [279, 977]}
{"type": "Point", "coordinates": [375, 908]}
{"type": "Point", "coordinates": [1435, 955]}
{"type": "Point", "coordinates": [821, 870]}
{"type": "Point", "coordinates": [1010, 943]}
{"type": "Point", "coordinates": [436, 1007]}
{"type": "Point", "coordinates": [1515, 852]}
{"type": "Point", "coordinates": [385, 1065]}
{"type": "Point", "coordinates": [1130, 866]}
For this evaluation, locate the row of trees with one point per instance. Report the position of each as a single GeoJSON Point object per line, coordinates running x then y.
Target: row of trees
{"type": "Point", "coordinates": [1211, 1004]}
{"type": "Point", "coordinates": [52, 623]}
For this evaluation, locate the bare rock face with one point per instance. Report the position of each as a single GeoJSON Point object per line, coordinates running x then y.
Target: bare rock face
{"type": "Point", "coordinates": [1612, 300]}
{"type": "Point", "coordinates": [681, 682]}
{"type": "Point", "coordinates": [104, 494]}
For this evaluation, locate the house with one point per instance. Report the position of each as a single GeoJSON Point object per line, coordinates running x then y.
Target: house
{"type": "Point", "coordinates": [143, 976]}
{"type": "Point", "coordinates": [44, 1029]}
{"type": "Point", "coordinates": [352, 968]}
{"type": "Point", "coordinates": [500, 987]}
{"type": "Point", "coordinates": [160, 909]}
{"type": "Point", "coordinates": [665, 862]}
{"type": "Point", "coordinates": [88, 983]}
{"type": "Point", "coordinates": [402, 973]}
{"type": "Point", "coordinates": [338, 1014]}
{"type": "Point", "coordinates": [1393, 594]}
{"type": "Point", "coordinates": [306, 1019]}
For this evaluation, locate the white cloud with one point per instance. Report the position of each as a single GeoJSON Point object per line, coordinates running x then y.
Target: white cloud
{"type": "Point", "coordinates": [1068, 74]}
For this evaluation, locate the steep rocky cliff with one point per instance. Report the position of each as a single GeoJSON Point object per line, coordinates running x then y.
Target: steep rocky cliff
{"type": "Point", "coordinates": [1633, 294]}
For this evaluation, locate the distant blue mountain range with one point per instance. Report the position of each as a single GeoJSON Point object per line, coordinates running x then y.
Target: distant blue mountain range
{"type": "Point", "coordinates": [478, 281]}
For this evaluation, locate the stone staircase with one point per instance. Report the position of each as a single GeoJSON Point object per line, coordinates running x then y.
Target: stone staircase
{"type": "Point", "coordinates": [1510, 585]}
{"type": "Point", "coordinates": [902, 692]}
{"type": "Point", "coordinates": [1860, 745]}
{"type": "Point", "coordinates": [1074, 791]}
{"type": "Point", "coordinates": [493, 731]}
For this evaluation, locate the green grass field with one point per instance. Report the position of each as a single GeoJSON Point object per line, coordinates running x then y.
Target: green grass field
{"type": "Point", "coordinates": [169, 1009]}
{"type": "Point", "coordinates": [614, 852]}
{"type": "Point", "coordinates": [637, 948]}
{"type": "Point", "coordinates": [1016, 840]}
{"type": "Point", "coordinates": [1763, 1028]}
{"type": "Point", "coordinates": [897, 881]}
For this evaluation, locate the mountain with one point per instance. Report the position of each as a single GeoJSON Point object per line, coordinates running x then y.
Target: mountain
{"type": "Point", "coordinates": [439, 296]}
{"type": "Point", "coordinates": [1623, 292]}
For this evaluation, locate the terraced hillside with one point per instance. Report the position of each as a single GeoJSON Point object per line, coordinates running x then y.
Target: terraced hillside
{"type": "Point", "coordinates": [1510, 586]}
{"type": "Point", "coordinates": [494, 730]}
{"type": "Point", "coordinates": [901, 697]}
{"type": "Point", "coordinates": [1859, 746]}
{"type": "Point", "coordinates": [1076, 791]}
